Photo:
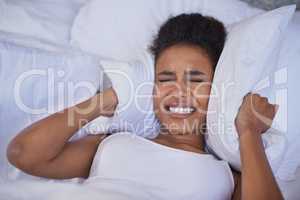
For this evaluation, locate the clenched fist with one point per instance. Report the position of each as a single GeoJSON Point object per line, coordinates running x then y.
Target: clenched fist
{"type": "Point", "coordinates": [256, 114]}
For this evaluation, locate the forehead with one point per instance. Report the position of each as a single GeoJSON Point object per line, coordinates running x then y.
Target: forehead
{"type": "Point", "coordinates": [180, 58]}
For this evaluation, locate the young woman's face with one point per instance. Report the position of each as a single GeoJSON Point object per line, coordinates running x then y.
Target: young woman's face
{"type": "Point", "coordinates": [183, 76]}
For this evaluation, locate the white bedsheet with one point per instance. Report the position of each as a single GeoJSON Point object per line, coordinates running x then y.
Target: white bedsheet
{"type": "Point", "coordinates": [49, 20]}
{"type": "Point", "coordinates": [12, 189]}
{"type": "Point", "coordinates": [36, 83]}
{"type": "Point", "coordinates": [100, 189]}
{"type": "Point", "coordinates": [105, 189]}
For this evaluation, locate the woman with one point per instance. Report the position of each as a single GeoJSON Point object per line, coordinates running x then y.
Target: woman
{"type": "Point", "coordinates": [186, 51]}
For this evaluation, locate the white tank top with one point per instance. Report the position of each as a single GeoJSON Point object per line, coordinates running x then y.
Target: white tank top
{"type": "Point", "coordinates": [165, 172]}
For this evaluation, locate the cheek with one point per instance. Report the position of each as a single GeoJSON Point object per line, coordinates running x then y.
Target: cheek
{"type": "Point", "coordinates": [158, 94]}
{"type": "Point", "coordinates": [161, 94]}
{"type": "Point", "coordinates": [201, 94]}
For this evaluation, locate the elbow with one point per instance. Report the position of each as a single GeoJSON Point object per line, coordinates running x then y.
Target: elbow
{"type": "Point", "coordinates": [17, 156]}
{"type": "Point", "coordinates": [14, 153]}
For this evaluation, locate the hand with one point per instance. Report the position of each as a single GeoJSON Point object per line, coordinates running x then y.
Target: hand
{"type": "Point", "coordinates": [256, 114]}
{"type": "Point", "coordinates": [108, 102]}
{"type": "Point", "coordinates": [132, 84]}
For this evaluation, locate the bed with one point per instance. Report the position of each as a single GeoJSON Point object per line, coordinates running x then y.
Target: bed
{"type": "Point", "coordinates": [49, 37]}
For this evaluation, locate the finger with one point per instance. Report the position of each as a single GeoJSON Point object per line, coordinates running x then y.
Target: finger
{"type": "Point", "coordinates": [247, 95]}
{"type": "Point", "coordinates": [255, 95]}
{"type": "Point", "coordinates": [276, 108]}
{"type": "Point", "coordinates": [265, 99]}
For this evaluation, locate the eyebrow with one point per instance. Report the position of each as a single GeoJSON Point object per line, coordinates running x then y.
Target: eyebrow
{"type": "Point", "coordinates": [169, 73]}
{"type": "Point", "coordinates": [190, 73]}
{"type": "Point", "coordinates": [194, 72]}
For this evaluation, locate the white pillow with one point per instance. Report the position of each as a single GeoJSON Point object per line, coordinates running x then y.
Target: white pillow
{"type": "Point", "coordinates": [249, 57]}
{"type": "Point", "coordinates": [121, 30]}
{"type": "Point", "coordinates": [34, 84]}
{"type": "Point", "coordinates": [290, 59]}
{"type": "Point", "coordinates": [290, 56]}
{"type": "Point", "coordinates": [49, 20]}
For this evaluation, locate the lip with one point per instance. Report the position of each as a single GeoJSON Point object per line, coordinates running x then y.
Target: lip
{"type": "Point", "coordinates": [178, 115]}
{"type": "Point", "coordinates": [178, 103]}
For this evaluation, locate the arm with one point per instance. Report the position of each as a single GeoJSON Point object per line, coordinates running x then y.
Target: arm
{"type": "Point", "coordinates": [237, 185]}
{"type": "Point", "coordinates": [257, 180]}
{"type": "Point", "coordinates": [42, 149]}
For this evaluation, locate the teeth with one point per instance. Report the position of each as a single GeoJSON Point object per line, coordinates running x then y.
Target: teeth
{"type": "Point", "coordinates": [181, 110]}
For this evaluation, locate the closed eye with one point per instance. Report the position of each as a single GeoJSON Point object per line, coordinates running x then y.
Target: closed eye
{"type": "Point", "coordinates": [197, 80]}
{"type": "Point", "coordinates": [195, 76]}
{"type": "Point", "coordinates": [166, 76]}
{"type": "Point", "coordinates": [165, 80]}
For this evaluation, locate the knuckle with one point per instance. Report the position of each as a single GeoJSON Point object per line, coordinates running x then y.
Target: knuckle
{"type": "Point", "coordinates": [265, 99]}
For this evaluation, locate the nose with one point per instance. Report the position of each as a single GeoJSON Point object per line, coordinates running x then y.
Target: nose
{"type": "Point", "coordinates": [183, 92]}
{"type": "Point", "coordinates": [183, 89]}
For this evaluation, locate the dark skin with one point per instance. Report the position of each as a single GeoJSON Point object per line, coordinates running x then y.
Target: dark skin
{"type": "Point", "coordinates": [42, 149]}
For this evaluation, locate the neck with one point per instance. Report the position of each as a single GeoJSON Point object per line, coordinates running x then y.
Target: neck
{"type": "Point", "coordinates": [189, 141]}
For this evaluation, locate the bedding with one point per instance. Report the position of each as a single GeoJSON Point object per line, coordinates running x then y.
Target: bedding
{"type": "Point", "coordinates": [36, 83]}
{"type": "Point", "coordinates": [133, 84]}
{"type": "Point", "coordinates": [105, 189]}
{"type": "Point", "coordinates": [232, 11]}
{"type": "Point", "coordinates": [290, 58]}
{"type": "Point", "coordinates": [121, 30]}
{"type": "Point", "coordinates": [247, 62]}
{"type": "Point", "coordinates": [47, 20]}
{"type": "Point", "coordinates": [272, 4]}
{"type": "Point", "coordinates": [31, 42]}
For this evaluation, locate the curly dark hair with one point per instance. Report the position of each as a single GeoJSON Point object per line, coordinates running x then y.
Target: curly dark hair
{"type": "Point", "coordinates": [192, 29]}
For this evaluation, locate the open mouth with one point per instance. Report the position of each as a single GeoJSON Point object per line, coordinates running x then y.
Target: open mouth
{"type": "Point", "coordinates": [181, 110]}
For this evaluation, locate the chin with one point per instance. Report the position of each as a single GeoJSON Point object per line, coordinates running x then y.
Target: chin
{"type": "Point", "coordinates": [181, 126]}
